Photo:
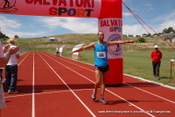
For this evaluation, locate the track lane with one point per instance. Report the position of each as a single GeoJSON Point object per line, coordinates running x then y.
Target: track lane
{"type": "Point", "coordinates": [15, 104]}
{"type": "Point", "coordinates": [58, 100]}
{"type": "Point", "coordinates": [168, 108]}
{"type": "Point", "coordinates": [159, 90]}
{"type": "Point", "coordinates": [133, 82]}
{"type": "Point", "coordinates": [74, 69]}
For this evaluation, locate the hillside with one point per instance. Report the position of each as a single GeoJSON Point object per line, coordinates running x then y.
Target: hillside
{"type": "Point", "coordinates": [71, 40]}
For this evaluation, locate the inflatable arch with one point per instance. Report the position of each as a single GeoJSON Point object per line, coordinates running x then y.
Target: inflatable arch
{"type": "Point", "coordinates": [76, 55]}
{"type": "Point", "coordinates": [108, 12]}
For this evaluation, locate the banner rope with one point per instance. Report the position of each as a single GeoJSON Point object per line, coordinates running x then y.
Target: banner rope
{"type": "Point", "coordinates": [140, 20]}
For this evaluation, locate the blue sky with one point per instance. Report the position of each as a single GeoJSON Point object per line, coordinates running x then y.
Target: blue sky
{"type": "Point", "coordinates": [159, 14]}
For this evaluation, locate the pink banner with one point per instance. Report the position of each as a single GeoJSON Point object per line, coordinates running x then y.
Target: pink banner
{"type": "Point", "coordinates": [56, 8]}
{"type": "Point", "coordinates": [113, 32]}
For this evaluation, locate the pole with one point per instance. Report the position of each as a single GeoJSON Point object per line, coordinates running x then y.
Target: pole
{"type": "Point", "coordinates": [171, 70]}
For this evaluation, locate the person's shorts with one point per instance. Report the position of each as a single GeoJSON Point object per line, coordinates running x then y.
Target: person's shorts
{"type": "Point", "coordinates": [102, 68]}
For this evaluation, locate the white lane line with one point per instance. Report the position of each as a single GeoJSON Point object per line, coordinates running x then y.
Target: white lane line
{"type": "Point", "coordinates": [69, 87]}
{"type": "Point", "coordinates": [129, 102]}
{"type": "Point", "coordinates": [150, 93]}
{"type": "Point", "coordinates": [138, 88]}
{"type": "Point", "coordinates": [149, 81]}
{"type": "Point", "coordinates": [77, 65]}
{"type": "Point", "coordinates": [23, 59]}
{"type": "Point", "coordinates": [49, 92]}
{"type": "Point", "coordinates": [106, 89]}
{"type": "Point", "coordinates": [142, 79]}
{"type": "Point", "coordinates": [33, 87]}
{"type": "Point", "coordinates": [62, 58]}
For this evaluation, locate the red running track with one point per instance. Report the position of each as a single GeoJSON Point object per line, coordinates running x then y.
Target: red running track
{"type": "Point", "coordinates": [53, 86]}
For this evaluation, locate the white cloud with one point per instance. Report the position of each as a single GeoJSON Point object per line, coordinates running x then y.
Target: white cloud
{"type": "Point", "coordinates": [8, 23]}
{"type": "Point", "coordinates": [9, 27]}
{"type": "Point", "coordinates": [158, 24]}
{"type": "Point", "coordinates": [76, 25]}
{"type": "Point", "coordinates": [136, 29]}
{"type": "Point", "coordinates": [127, 14]}
{"type": "Point", "coordinates": [24, 34]}
{"type": "Point", "coordinates": [167, 21]}
{"type": "Point", "coordinates": [149, 6]}
{"type": "Point", "coordinates": [11, 33]}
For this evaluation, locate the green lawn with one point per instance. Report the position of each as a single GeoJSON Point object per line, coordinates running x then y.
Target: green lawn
{"type": "Point", "coordinates": [140, 64]}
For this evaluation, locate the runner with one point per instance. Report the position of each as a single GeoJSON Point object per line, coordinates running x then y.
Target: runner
{"type": "Point", "coordinates": [100, 61]}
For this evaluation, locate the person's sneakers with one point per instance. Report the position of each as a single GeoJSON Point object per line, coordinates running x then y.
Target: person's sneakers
{"type": "Point", "coordinates": [93, 96]}
{"type": "Point", "coordinates": [158, 78]}
{"type": "Point", "coordinates": [103, 101]}
{"type": "Point", "coordinates": [12, 92]}
{"type": "Point", "coordinates": [155, 77]}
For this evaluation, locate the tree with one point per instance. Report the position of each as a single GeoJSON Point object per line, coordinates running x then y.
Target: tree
{"type": "Point", "coordinates": [2, 36]}
{"type": "Point", "coordinates": [146, 35]}
{"type": "Point", "coordinates": [169, 33]}
{"type": "Point", "coordinates": [168, 30]}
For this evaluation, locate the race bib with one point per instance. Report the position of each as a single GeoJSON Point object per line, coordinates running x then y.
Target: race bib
{"type": "Point", "coordinates": [101, 55]}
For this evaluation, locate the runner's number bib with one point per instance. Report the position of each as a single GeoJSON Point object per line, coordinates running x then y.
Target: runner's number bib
{"type": "Point", "coordinates": [101, 55]}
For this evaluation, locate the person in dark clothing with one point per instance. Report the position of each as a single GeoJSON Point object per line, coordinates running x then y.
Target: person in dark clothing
{"type": "Point", "coordinates": [156, 56]}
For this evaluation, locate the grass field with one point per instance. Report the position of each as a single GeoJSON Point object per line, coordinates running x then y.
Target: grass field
{"type": "Point", "coordinates": [138, 64]}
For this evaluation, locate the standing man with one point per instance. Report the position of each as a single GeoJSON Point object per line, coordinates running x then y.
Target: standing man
{"type": "Point", "coordinates": [12, 70]}
{"type": "Point", "coordinates": [156, 56]}
{"type": "Point", "coordinates": [57, 52]}
{"type": "Point", "coordinates": [100, 62]}
{"type": "Point", "coordinates": [3, 62]}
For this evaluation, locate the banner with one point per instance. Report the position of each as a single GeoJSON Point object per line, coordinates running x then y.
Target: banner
{"type": "Point", "coordinates": [108, 12]}
{"type": "Point", "coordinates": [113, 32]}
{"type": "Point", "coordinates": [55, 8]}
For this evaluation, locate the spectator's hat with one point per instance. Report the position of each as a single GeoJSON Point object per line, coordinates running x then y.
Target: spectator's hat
{"type": "Point", "coordinates": [156, 46]}
{"type": "Point", "coordinates": [11, 40]}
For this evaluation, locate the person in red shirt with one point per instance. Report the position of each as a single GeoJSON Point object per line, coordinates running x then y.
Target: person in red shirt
{"type": "Point", "coordinates": [156, 56]}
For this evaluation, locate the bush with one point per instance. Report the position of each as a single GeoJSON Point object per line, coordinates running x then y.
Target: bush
{"type": "Point", "coordinates": [141, 40]}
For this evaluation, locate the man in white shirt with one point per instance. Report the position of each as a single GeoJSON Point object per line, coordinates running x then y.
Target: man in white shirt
{"type": "Point", "coordinates": [57, 51]}
{"type": "Point", "coordinates": [3, 62]}
{"type": "Point", "coordinates": [11, 70]}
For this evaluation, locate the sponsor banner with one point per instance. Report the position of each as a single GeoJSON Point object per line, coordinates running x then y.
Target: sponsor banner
{"type": "Point", "coordinates": [56, 8]}
{"type": "Point", "coordinates": [112, 27]}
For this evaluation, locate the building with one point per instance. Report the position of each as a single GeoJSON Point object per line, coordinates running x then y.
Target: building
{"type": "Point", "coordinates": [52, 39]}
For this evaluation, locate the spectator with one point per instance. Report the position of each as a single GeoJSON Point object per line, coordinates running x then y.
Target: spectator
{"type": "Point", "coordinates": [156, 56]}
{"type": "Point", "coordinates": [3, 62]}
{"type": "Point", "coordinates": [57, 52]}
{"type": "Point", "coordinates": [11, 70]}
